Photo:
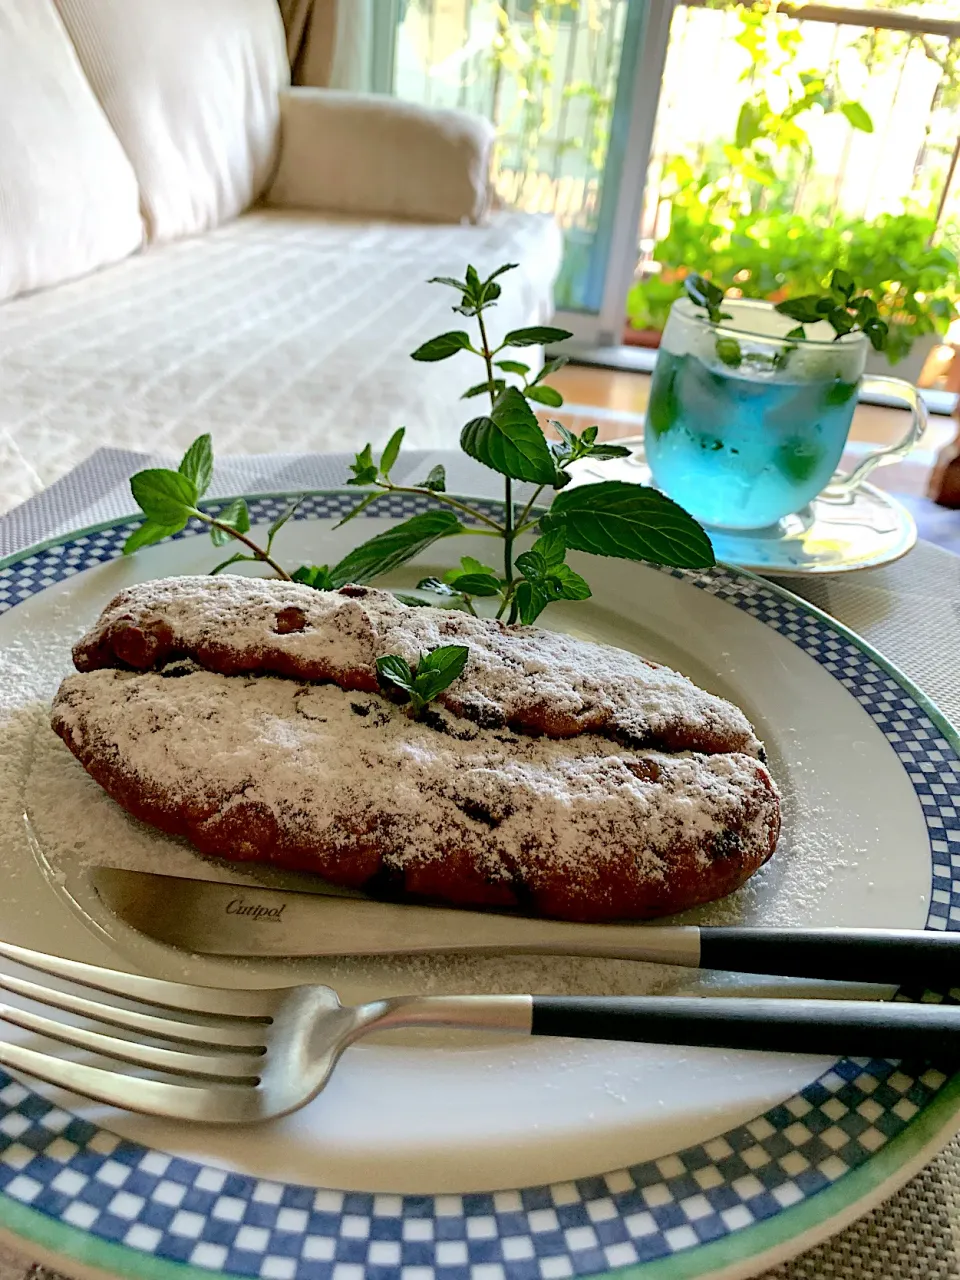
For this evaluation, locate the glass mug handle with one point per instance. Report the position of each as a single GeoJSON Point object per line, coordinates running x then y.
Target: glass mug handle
{"type": "Point", "coordinates": [841, 486]}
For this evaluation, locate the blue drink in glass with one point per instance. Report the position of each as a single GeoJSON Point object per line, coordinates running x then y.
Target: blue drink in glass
{"type": "Point", "coordinates": [745, 426]}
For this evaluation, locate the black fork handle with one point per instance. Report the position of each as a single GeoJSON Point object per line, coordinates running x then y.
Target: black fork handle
{"type": "Point", "coordinates": [877, 1029]}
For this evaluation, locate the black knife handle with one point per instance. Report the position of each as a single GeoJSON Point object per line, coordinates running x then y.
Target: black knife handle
{"type": "Point", "coordinates": [927, 957]}
{"type": "Point", "coordinates": [868, 1028]}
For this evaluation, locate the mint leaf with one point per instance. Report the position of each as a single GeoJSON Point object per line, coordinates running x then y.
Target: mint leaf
{"type": "Point", "coordinates": [197, 464]}
{"type": "Point", "coordinates": [602, 452]}
{"type": "Point", "coordinates": [389, 550]}
{"type": "Point", "coordinates": [483, 388]}
{"type": "Point", "coordinates": [631, 522]}
{"type": "Point", "coordinates": [532, 565]}
{"type": "Point", "coordinates": [442, 347]}
{"type": "Point", "coordinates": [544, 395]}
{"type": "Point", "coordinates": [459, 285]}
{"type": "Point", "coordinates": [282, 519]}
{"type": "Point", "coordinates": [510, 441]}
{"type": "Point", "coordinates": [436, 586]}
{"type": "Point", "coordinates": [531, 600]}
{"type": "Point", "coordinates": [436, 481]}
{"type": "Point", "coordinates": [476, 584]}
{"type": "Point", "coordinates": [164, 496]}
{"type": "Point", "coordinates": [392, 451]}
{"type": "Point", "coordinates": [805, 309]}
{"type": "Point", "coordinates": [568, 584]}
{"type": "Point", "coordinates": [150, 531]}
{"type": "Point", "coordinates": [507, 266]}
{"type": "Point", "coordinates": [513, 366]}
{"type": "Point", "coordinates": [412, 602]}
{"type": "Point", "coordinates": [551, 547]}
{"type": "Point", "coordinates": [551, 367]}
{"type": "Point", "coordinates": [225, 564]}
{"type": "Point", "coordinates": [317, 576]}
{"type": "Point", "coordinates": [728, 349]}
{"type": "Point", "coordinates": [395, 670]}
{"type": "Point", "coordinates": [363, 467]}
{"type": "Point", "coordinates": [589, 434]}
{"type": "Point", "coordinates": [361, 506]}
{"type": "Point", "coordinates": [469, 565]}
{"type": "Point", "coordinates": [535, 336]}
{"type": "Point", "coordinates": [438, 670]}
{"type": "Point", "coordinates": [236, 517]}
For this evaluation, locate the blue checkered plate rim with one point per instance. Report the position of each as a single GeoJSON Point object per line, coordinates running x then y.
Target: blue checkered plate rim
{"type": "Point", "coordinates": [732, 1204]}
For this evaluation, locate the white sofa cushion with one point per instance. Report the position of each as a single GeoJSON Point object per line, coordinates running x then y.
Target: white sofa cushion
{"type": "Point", "coordinates": [68, 195]}
{"type": "Point", "coordinates": [190, 86]}
{"type": "Point", "coordinates": [279, 332]}
{"type": "Point", "coordinates": [368, 154]}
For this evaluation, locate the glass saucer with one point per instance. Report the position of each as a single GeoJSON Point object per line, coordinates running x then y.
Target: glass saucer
{"type": "Point", "coordinates": [864, 530]}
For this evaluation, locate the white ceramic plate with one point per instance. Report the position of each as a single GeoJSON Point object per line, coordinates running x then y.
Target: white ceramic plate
{"type": "Point", "coordinates": [457, 1156]}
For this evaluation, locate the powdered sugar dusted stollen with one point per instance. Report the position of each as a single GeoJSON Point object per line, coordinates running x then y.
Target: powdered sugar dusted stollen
{"type": "Point", "coordinates": [344, 784]}
{"type": "Point", "coordinates": [525, 678]}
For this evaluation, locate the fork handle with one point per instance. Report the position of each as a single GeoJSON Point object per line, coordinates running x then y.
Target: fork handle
{"type": "Point", "coordinates": [895, 956]}
{"type": "Point", "coordinates": [854, 1028]}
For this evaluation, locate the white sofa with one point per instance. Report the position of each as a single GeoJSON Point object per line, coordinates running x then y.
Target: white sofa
{"type": "Point", "coordinates": [189, 244]}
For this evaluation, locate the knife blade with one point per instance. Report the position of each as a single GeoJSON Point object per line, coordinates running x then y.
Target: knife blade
{"type": "Point", "coordinates": [212, 918]}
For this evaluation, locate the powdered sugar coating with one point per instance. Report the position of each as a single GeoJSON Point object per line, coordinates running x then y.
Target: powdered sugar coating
{"type": "Point", "coordinates": [346, 785]}
{"type": "Point", "coordinates": [530, 679]}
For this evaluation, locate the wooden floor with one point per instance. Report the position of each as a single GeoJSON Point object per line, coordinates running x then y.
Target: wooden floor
{"type": "Point", "coordinates": [616, 400]}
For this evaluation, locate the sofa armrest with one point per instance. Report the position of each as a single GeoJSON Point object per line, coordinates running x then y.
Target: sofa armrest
{"type": "Point", "coordinates": [371, 155]}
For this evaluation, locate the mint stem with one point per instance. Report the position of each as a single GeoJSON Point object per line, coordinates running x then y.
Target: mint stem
{"type": "Point", "coordinates": [508, 533]}
{"type": "Point", "coordinates": [251, 546]}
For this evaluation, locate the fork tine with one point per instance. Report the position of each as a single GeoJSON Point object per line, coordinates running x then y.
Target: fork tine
{"type": "Point", "coordinates": [224, 1065]}
{"type": "Point", "coordinates": [169, 995]}
{"type": "Point", "coordinates": [219, 1104]}
{"type": "Point", "coordinates": [231, 1034]}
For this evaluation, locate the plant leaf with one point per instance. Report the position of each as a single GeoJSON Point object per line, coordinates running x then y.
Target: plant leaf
{"type": "Point", "coordinates": [476, 584]}
{"type": "Point", "coordinates": [631, 522]}
{"type": "Point", "coordinates": [236, 517]}
{"type": "Point", "coordinates": [438, 670]}
{"type": "Point", "coordinates": [197, 463]}
{"type": "Point", "coordinates": [436, 481]}
{"type": "Point", "coordinates": [513, 366]}
{"type": "Point", "coordinates": [798, 332]}
{"type": "Point", "coordinates": [282, 519]}
{"type": "Point", "coordinates": [510, 441]}
{"type": "Point", "coordinates": [551, 547]}
{"type": "Point", "coordinates": [483, 388]}
{"type": "Point", "coordinates": [507, 266]}
{"type": "Point", "coordinates": [436, 586]}
{"type": "Point", "coordinates": [728, 349]}
{"type": "Point", "coordinates": [316, 576]}
{"type": "Point", "coordinates": [442, 347]}
{"type": "Point", "coordinates": [389, 550]}
{"type": "Point", "coordinates": [544, 395]}
{"type": "Point", "coordinates": [164, 496]}
{"type": "Point", "coordinates": [392, 451]}
{"type": "Point", "coordinates": [535, 336]}
{"type": "Point", "coordinates": [602, 452]}
{"type": "Point", "coordinates": [551, 367]}
{"type": "Point", "coordinates": [225, 564]}
{"type": "Point", "coordinates": [363, 467]}
{"type": "Point", "coordinates": [150, 531]}
{"type": "Point", "coordinates": [804, 309]}
{"type": "Point", "coordinates": [530, 601]}
{"type": "Point", "coordinates": [532, 565]}
{"type": "Point", "coordinates": [572, 586]}
{"type": "Point", "coordinates": [412, 602]}
{"type": "Point", "coordinates": [469, 565]}
{"type": "Point", "coordinates": [395, 670]}
{"type": "Point", "coordinates": [858, 116]}
{"type": "Point", "coordinates": [459, 285]}
{"type": "Point", "coordinates": [361, 506]}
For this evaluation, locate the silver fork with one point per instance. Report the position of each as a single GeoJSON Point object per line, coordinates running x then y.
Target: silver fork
{"type": "Point", "coordinates": [235, 1057]}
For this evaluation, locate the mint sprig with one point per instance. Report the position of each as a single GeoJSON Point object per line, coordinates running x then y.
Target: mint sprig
{"type": "Point", "coordinates": [422, 683]}
{"type": "Point", "coordinates": [611, 518]}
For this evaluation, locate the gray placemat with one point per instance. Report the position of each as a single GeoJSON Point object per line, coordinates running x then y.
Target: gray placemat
{"type": "Point", "coordinates": [909, 611]}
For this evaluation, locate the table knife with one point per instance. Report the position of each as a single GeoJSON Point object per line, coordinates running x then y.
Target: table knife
{"type": "Point", "coordinates": [232, 920]}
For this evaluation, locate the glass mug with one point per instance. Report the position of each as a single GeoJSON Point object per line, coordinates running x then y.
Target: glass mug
{"type": "Point", "coordinates": [746, 426]}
